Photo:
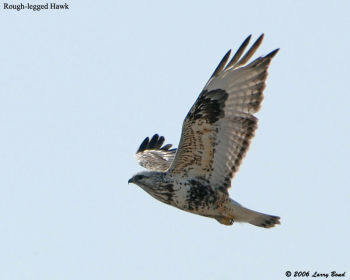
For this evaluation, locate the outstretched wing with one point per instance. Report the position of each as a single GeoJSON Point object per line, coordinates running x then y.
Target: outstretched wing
{"type": "Point", "coordinates": [153, 156]}
{"type": "Point", "coordinates": [216, 132]}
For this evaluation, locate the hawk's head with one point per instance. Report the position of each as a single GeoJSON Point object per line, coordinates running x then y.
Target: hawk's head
{"type": "Point", "coordinates": [144, 178]}
{"type": "Point", "coordinates": [155, 184]}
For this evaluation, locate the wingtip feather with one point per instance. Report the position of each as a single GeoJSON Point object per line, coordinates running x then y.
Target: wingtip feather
{"type": "Point", "coordinates": [222, 64]}
{"type": "Point", "coordinates": [239, 52]}
{"type": "Point", "coordinates": [272, 54]}
{"type": "Point", "coordinates": [250, 52]}
{"type": "Point", "coordinates": [155, 143]}
{"type": "Point", "coordinates": [143, 145]}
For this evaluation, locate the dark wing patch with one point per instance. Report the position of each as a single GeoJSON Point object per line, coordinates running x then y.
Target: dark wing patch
{"type": "Point", "coordinates": [209, 106]}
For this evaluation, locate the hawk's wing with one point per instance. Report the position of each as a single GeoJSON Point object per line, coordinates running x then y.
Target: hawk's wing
{"type": "Point", "coordinates": [217, 130]}
{"type": "Point", "coordinates": [153, 156]}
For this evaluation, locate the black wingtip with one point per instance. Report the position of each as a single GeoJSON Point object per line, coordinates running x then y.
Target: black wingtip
{"type": "Point", "coordinates": [160, 142]}
{"type": "Point", "coordinates": [222, 64]}
{"type": "Point", "coordinates": [261, 37]}
{"type": "Point", "coordinates": [166, 147]}
{"type": "Point", "coordinates": [239, 52]}
{"type": "Point", "coordinates": [143, 145]}
{"type": "Point", "coordinates": [155, 143]}
{"type": "Point", "coordinates": [247, 40]}
{"type": "Point", "coordinates": [273, 53]}
{"type": "Point", "coordinates": [250, 52]}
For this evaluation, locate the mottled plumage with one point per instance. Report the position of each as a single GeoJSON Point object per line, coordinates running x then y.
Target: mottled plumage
{"type": "Point", "coordinates": [215, 136]}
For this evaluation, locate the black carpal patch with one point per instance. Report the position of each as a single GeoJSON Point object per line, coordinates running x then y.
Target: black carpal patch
{"type": "Point", "coordinates": [200, 195]}
{"type": "Point", "coordinates": [209, 106]}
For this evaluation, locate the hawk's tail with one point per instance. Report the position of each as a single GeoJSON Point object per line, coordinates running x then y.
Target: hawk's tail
{"type": "Point", "coordinates": [241, 214]}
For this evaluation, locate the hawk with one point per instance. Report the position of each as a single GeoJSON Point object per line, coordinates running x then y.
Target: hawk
{"type": "Point", "coordinates": [215, 137]}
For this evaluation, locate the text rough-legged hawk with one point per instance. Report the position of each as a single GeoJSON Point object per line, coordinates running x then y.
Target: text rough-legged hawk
{"type": "Point", "coordinates": [216, 134]}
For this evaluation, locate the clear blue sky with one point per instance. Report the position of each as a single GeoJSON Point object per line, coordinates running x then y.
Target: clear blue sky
{"type": "Point", "coordinates": [80, 89]}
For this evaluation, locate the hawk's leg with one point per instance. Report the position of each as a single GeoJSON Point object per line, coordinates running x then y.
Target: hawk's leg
{"type": "Point", "coordinates": [225, 220]}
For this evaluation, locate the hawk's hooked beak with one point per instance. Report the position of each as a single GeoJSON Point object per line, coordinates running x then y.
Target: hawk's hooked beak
{"type": "Point", "coordinates": [131, 180]}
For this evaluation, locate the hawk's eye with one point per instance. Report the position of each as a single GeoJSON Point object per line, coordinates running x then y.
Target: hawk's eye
{"type": "Point", "coordinates": [139, 177]}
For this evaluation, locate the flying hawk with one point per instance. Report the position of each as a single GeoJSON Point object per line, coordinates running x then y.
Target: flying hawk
{"type": "Point", "coordinates": [216, 134]}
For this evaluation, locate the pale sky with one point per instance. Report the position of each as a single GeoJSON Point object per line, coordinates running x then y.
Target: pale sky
{"type": "Point", "coordinates": [81, 88]}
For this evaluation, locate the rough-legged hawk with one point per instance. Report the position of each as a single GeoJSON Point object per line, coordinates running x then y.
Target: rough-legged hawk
{"type": "Point", "coordinates": [215, 136]}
